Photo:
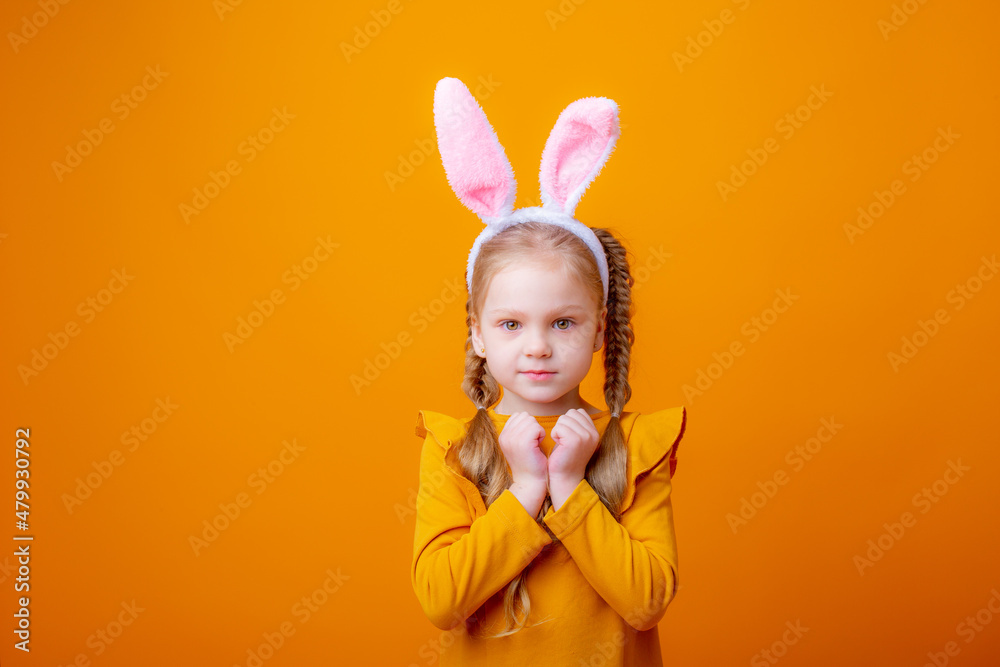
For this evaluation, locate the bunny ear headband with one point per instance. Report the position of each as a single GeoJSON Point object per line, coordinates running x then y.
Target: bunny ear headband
{"type": "Point", "coordinates": [480, 173]}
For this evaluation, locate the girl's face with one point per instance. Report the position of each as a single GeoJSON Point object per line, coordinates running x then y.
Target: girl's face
{"type": "Point", "coordinates": [535, 317]}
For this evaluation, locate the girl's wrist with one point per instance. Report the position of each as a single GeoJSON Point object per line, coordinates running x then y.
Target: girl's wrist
{"type": "Point", "coordinates": [529, 483]}
{"type": "Point", "coordinates": [565, 480]}
{"type": "Point", "coordinates": [560, 489]}
{"type": "Point", "coordinates": [531, 496]}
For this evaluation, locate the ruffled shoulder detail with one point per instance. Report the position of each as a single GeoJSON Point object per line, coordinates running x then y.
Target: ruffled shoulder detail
{"type": "Point", "coordinates": [445, 430]}
{"type": "Point", "coordinates": [652, 437]}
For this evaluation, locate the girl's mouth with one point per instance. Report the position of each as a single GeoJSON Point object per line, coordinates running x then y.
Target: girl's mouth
{"type": "Point", "coordinates": [539, 376]}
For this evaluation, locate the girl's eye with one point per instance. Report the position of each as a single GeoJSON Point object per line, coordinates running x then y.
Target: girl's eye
{"type": "Point", "coordinates": [507, 328]}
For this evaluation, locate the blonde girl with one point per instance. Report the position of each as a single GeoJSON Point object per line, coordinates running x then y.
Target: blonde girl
{"type": "Point", "coordinates": [544, 525]}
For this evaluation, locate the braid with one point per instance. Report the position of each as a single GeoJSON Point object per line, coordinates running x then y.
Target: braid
{"type": "Point", "coordinates": [483, 389]}
{"type": "Point", "coordinates": [608, 470]}
{"type": "Point", "coordinates": [619, 336]}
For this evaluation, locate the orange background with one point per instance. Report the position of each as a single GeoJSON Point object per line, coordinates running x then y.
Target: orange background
{"type": "Point", "coordinates": [343, 502]}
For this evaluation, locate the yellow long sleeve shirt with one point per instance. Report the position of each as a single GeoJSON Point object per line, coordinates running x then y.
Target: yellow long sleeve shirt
{"type": "Point", "coordinates": [596, 596]}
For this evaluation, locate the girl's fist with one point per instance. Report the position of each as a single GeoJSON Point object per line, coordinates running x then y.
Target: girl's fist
{"type": "Point", "coordinates": [519, 442]}
{"type": "Point", "coordinates": [576, 439]}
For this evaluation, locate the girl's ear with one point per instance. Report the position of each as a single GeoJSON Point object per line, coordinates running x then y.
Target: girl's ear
{"type": "Point", "coordinates": [577, 148]}
{"type": "Point", "coordinates": [474, 161]}
{"type": "Point", "coordinates": [477, 339]}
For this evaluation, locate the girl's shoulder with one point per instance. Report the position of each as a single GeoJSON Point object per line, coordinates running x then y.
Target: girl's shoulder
{"type": "Point", "coordinates": [652, 437]}
{"type": "Point", "coordinates": [446, 430]}
{"type": "Point", "coordinates": [655, 435]}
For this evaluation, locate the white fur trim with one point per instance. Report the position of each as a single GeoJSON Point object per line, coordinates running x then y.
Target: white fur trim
{"type": "Point", "coordinates": [534, 213]}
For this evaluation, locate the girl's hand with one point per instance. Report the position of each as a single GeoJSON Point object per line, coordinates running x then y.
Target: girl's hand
{"type": "Point", "coordinates": [519, 442]}
{"type": "Point", "coordinates": [576, 439]}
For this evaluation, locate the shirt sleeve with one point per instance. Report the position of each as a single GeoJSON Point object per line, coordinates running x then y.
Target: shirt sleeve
{"type": "Point", "coordinates": [458, 562]}
{"type": "Point", "coordinates": [632, 564]}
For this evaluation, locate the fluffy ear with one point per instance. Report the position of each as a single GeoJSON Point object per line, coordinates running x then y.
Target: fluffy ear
{"type": "Point", "coordinates": [577, 148]}
{"type": "Point", "coordinates": [474, 161]}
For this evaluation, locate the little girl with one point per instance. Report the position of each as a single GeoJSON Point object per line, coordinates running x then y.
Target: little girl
{"type": "Point", "coordinates": [544, 527]}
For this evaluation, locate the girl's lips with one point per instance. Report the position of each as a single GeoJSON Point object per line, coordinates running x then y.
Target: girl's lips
{"type": "Point", "coordinates": [540, 376]}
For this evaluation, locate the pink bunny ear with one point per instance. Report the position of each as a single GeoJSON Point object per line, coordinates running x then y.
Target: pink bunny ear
{"type": "Point", "coordinates": [578, 146]}
{"type": "Point", "coordinates": [474, 161]}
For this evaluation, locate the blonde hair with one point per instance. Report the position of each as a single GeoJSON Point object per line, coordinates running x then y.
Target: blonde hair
{"type": "Point", "coordinates": [479, 452]}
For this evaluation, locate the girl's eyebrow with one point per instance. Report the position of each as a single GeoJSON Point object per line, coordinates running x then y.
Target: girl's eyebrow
{"type": "Point", "coordinates": [517, 313]}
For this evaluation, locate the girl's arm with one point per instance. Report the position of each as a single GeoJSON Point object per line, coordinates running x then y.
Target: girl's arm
{"type": "Point", "coordinates": [459, 563]}
{"type": "Point", "coordinates": [632, 564]}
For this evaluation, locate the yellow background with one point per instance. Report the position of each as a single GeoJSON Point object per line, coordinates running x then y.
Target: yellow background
{"type": "Point", "coordinates": [388, 301]}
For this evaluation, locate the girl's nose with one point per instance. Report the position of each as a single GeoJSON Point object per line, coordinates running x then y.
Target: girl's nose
{"type": "Point", "coordinates": [536, 344]}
